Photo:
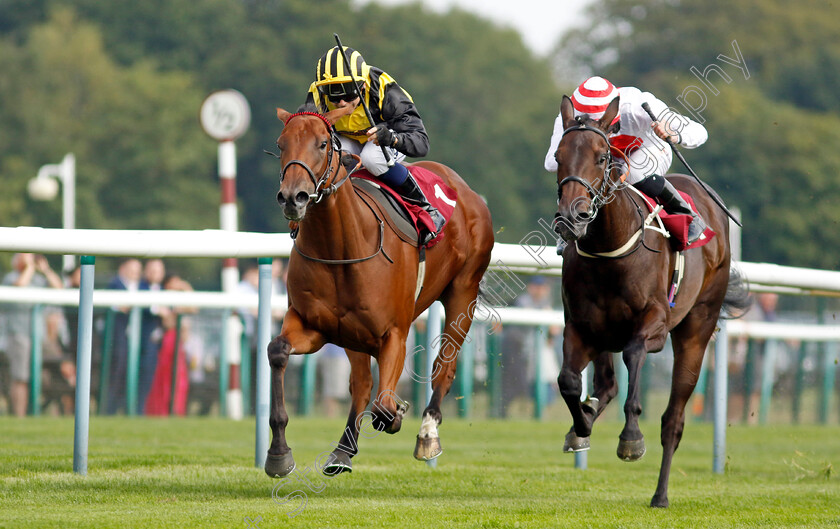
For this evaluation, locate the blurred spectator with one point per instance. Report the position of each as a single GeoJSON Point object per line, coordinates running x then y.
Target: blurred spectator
{"type": "Point", "coordinates": [335, 378]}
{"type": "Point", "coordinates": [521, 344]}
{"type": "Point", "coordinates": [160, 397]}
{"type": "Point", "coordinates": [127, 278]}
{"type": "Point", "coordinates": [151, 331]}
{"type": "Point", "coordinates": [59, 363]}
{"type": "Point", "coordinates": [746, 360]}
{"type": "Point", "coordinates": [28, 270]}
{"type": "Point", "coordinates": [249, 284]}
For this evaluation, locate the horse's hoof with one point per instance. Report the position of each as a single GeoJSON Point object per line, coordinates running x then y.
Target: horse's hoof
{"type": "Point", "coordinates": [279, 466]}
{"type": "Point", "coordinates": [630, 450]}
{"type": "Point", "coordinates": [574, 443]}
{"type": "Point", "coordinates": [427, 448]}
{"type": "Point", "coordinates": [658, 502]}
{"type": "Point", "coordinates": [337, 462]}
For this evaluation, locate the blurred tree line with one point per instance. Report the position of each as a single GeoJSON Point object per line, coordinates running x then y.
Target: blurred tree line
{"type": "Point", "coordinates": [120, 83]}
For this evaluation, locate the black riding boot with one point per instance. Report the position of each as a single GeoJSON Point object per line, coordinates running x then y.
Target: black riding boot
{"type": "Point", "coordinates": [665, 193]}
{"type": "Point", "coordinates": [412, 192]}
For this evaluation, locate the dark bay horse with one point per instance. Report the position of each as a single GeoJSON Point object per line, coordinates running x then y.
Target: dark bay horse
{"type": "Point", "coordinates": [616, 278]}
{"type": "Point", "coordinates": [352, 283]}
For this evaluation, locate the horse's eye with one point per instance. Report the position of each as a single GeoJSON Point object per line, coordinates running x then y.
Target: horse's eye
{"type": "Point", "coordinates": [323, 145]}
{"type": "Point", "coordinates": [602, 160]}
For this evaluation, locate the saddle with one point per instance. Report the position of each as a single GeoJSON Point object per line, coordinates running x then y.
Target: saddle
{"type": "Point", "coordinates": [676, 229]}
{"type": "Point", "coordinates": [677, 224]}
{"type": "Point", "coordinates": [405, 218]}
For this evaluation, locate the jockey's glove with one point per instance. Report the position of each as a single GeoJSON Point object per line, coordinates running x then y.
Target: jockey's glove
{"type": "Point", "coordinates": [386, 136]}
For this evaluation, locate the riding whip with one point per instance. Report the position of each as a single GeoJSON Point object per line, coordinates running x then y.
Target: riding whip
{"type": "Point", "coordinates": [679, 155]}
{"type": "Point", "coordinates": [388, 159]}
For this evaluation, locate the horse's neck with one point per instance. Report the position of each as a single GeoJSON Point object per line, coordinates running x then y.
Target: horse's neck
{"type": "Point", "coordinates": [338, 227]}
{"type": "Point", "coordinates": [615, 224]}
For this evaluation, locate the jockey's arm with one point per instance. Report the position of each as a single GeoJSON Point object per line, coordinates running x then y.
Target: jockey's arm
{"type": "Point", "coordinates": [400, 114]}
{"type": "Point", "coordinates": [550, 161]}
{"type": "Point", "coordinates": [673, 125]}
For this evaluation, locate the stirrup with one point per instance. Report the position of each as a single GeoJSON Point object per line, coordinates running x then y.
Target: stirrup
{"type": "Point", "coordinates": [698, 227]}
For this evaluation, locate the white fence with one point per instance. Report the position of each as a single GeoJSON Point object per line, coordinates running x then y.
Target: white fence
{"type": "Point", "coordinates": [533, 256]}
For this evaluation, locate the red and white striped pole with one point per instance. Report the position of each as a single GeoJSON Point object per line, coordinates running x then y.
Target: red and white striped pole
{"type": "Point", "coordinates": [229, 221]}
{"type": "Point", "coordinates": [225, 116]}
{"type": "Point", "coordinates": [228, 213]}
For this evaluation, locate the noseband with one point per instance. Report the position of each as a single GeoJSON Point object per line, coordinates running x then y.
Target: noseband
{"type": "Point", "coordinates": [597, 197]}
{"type": "Point", "coordinates": [335, 145]}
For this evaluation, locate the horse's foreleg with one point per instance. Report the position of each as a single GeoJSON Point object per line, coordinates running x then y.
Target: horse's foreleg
{"type": "Point", "coordinates": [361, 383]}
{"type": "Point", "coordinates": [576, 355]}
{"type": "Point", "coordinates": [690, 341]}
{"type": "Point", "coordinates": [293, 339]}
{"type": "Point", "coordinates": [650, 337]}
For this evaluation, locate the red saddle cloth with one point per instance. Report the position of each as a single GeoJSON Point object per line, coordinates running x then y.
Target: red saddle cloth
{"type": "Point", "coordinates": [677, 225]}
{"type": "Point", "coordinates": [438, 193]}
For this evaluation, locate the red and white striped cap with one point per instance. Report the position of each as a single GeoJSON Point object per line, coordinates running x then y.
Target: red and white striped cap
{"type": "Point", "coordinates": [593, 96]}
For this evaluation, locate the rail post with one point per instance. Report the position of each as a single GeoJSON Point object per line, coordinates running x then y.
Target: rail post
{"type": "Point", "coordinates": [133, 366]}
{"type": "Point", "coordinates": [83, 361]}
{"type": "Point", "coordinates": [263, 389]}
{"type": "Point", "coordinates": [721, 367]}
{"type": "Point", "coordinates": [36, 360]}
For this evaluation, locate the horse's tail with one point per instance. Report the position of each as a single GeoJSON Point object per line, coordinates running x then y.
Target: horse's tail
{"type": "Point", "coordinates": [738, 300]}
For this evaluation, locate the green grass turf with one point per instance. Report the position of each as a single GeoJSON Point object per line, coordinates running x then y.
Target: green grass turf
{"type": "Point", "coordinates": [176, 473]}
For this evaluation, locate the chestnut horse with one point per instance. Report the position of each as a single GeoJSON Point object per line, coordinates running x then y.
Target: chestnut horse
{"type": "Point", "coordinates": [616, 278]}
{"type": "Point", "coordinates": [352, 283]}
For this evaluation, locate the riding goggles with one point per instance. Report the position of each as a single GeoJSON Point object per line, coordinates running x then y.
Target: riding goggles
{"type": "Point", "coordinates": [340, 92]}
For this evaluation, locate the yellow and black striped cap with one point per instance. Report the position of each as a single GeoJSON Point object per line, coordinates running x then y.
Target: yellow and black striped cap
{"type": "Point", "coordinates": [331, 68]}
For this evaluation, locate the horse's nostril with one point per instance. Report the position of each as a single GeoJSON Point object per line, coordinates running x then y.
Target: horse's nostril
{"type": "Point", "coordinates": [281, 199]}
{"type": "Point", "coordinates": [302, 197]}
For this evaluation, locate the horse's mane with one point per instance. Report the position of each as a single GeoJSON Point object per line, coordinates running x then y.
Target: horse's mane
{"type": "Point", "coordinates": [308, 106]}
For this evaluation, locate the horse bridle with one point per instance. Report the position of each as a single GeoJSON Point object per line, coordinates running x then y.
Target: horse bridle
{"type": "Point", "coordinates": [602, 196]}
{"type": "Point", "coordinates": [321, 191]}
{"type": "Point", "coordinates": [335, 146]}
{"type": "Point", "coordinates": [599, 197]}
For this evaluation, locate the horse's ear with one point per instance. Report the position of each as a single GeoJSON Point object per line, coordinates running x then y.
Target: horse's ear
{"type": "Point", "coordinates": [334, 115]}
{"type": "Point", "coordinates": [282, 115]}
{"type": "Point", "coordinates": [567, 112]}
{"type": "Point", "coordinates": [610, 114]}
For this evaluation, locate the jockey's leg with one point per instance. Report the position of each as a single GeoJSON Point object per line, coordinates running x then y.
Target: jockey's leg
{"type": "Point", "coordinates": [398, 178]}
{"type": "Point", "coordinates": [412, 192]}
{"type": "Point", "coordinates": [665, 193]}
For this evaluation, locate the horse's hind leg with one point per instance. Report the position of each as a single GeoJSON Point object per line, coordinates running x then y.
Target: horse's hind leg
{"type": "Point", "coordinates": [457, 305]}
{"type": "Point", "coordinates": [361, 382]}
{"type": "Point", "coordinates": [689, 340]}
{"type": "Point", "coordinates": [294, 338]}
